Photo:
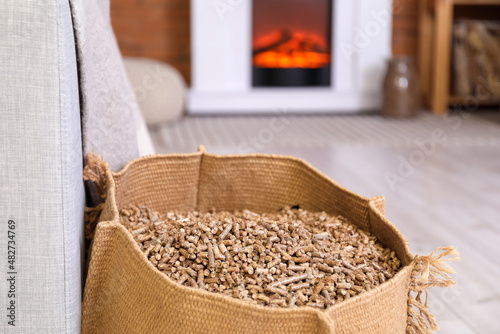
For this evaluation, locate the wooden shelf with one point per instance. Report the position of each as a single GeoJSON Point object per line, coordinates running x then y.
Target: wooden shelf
{"type": "Point", "coordinates": [467, 100]}
{"type": "Point", "coordinates": [431, 4]}
{"type": "Point", "coordinates": [476, 2]}
{"type": "Point", "coordinates": [434, 55]}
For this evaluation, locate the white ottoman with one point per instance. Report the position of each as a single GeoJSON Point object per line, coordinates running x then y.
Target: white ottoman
{"type": "Point", "coordinates": [159, 89]}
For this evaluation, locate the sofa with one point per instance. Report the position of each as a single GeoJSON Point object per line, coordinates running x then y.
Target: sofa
{"type": "Point", "coordinates": [64, 93]}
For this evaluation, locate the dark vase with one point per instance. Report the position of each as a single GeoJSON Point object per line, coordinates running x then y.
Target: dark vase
{"type": "Point", "coordinates": [400, 88]}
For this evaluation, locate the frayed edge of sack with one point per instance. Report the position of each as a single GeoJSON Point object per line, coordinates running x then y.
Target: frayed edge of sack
{"type": "Point", "coordinates": [94, 172]}
{"type": "Point", "coordinates": [428, 272]}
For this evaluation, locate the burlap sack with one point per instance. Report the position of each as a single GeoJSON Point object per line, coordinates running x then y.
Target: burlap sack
{"type": "Point", "coordinates": [124, 293]}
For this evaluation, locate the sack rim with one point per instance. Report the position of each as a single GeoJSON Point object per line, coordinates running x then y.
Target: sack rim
{"type": "Point", "coordinates": [371, 201]}
{"type": "Point", "coordinates": [133, 162]}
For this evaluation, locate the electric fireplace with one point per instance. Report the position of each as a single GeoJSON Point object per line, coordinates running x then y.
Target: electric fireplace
{"type": "Point", "coordinates": [300, 56]}
{"type": "Point", "coordinates": [291, 43]}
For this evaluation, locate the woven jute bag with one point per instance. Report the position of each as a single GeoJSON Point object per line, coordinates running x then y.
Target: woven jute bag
{"type": "Point", "coordinates": [125, 293]}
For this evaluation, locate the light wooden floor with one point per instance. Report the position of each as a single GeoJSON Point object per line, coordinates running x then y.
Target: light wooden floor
{"type": "Point", "coordinates": [452, 198]}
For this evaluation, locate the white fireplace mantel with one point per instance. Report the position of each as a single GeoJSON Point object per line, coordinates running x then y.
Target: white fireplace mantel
{"type": "Point", "coordinates": [221, 61]}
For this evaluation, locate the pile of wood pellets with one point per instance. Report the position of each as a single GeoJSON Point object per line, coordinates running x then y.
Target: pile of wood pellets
{"type": "Point", "coordinates": [286, 259]}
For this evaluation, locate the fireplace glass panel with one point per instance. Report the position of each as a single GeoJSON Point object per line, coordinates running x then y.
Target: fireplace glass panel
{"type": "Point", "coordinates": [291, 43]}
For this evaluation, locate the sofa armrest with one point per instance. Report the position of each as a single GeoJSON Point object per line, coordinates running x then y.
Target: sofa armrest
{"type": "Point", "coordinates": [41, 188]}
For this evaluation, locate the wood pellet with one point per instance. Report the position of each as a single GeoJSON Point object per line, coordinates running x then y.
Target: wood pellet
{"type": "Point", "coordinates": [291, 258]}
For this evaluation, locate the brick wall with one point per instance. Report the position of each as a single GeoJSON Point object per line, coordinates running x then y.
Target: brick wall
{"type": "Point", "coordinates": [405, 27]}
{"type": "Point", "coordinates": [156, 29]}
{"type": "Point", "coordinates": [159, 29]}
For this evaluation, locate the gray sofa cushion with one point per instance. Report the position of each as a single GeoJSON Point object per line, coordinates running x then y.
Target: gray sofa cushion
{"type": "Point", "coordinates": [112, 123]}
{"type": "Point", "coordinates": [41, 187]}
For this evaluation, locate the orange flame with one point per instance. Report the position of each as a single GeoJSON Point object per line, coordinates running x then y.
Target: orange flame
{"type": "Point", "coordinates": [297, 50]}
